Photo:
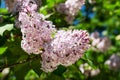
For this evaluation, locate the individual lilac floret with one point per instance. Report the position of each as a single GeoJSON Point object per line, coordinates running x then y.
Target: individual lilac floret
{"type": "Point", "coordinates": [65, 49]}
{"type": "Point", "coordinates": [70, 8]}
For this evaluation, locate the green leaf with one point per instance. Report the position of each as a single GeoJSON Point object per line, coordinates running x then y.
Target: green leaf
{"type": "Point", "coordinates": [54, 77]}
{"type": "Point", "coordinates": [35, 65]}
{"type": "Point", "coordinates": [14, 52]}
{"type": "Point", "coordinates": [21, 70]}
{"type": "Point", "coordinates": [43, 10]}
{"type": "Point", "coordinates": [31, 75]}
{"type": "Point", "coordinates": [15, 47]}
{"type": "Point", "coordinates": [3, 10]}
{"type": "Point", "coordinates": [60, 70]}
{"type": "Point", "coordinates": [48, 15]}
{"type": "Point", "coordinates": [8, 27]}
{"type": "Point", "coordinates": [91, 63]}
{"type": "Point", "coordinates": [52, 3]}
{"type": "Point", "coordinates": [2, 50]}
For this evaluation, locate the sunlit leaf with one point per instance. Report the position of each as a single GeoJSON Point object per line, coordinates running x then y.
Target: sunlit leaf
{"type": "Point", "coordinates": [2, 50]}
{"type": "Point", "coordinates": [8, 27]}
{"type": "Point", "coordinates": [31, 75]}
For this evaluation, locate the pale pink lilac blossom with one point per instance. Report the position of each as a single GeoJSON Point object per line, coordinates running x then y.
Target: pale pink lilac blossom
{"type": "Point", "coordinates": [65, 49]}
{"type": "Point", "coordinates": [36, 31]}
{"type": "Point", "coordinates": [16, 5]}
{"type": "Point", "coordinates": [101, 44]}
{"type": "Point", "coordinates": [10, 4]}
{"type": "Point", "coordinates": [70, 8]}
{"type": "Point", "coordinates": [87, 70]}
{"type": "Point", "coordinates": [113, 62]}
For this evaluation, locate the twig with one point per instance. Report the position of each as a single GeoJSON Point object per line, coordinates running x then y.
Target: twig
{"type": "Point", "coordinates": [21, 62]}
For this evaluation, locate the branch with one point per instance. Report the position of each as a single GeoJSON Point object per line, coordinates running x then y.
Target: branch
{"type": "Point", "coordinates": [21, 62]}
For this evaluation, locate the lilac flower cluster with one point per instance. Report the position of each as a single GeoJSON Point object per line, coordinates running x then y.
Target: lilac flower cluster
{"type": "Point", "coordinates": [70, 8]}
{"type": "Point", "coordinates": [10, 4]}
{"type": "Point", "coordinates": [65, 49]}
{"type": "Point", "coordinates": [114, 62]}
{"type": "Point", "coordinates": [15, 5]}
{"type": "Point", "coordinates": [100, 44]}
{"type": "Point", "coordinates": [35, 30]}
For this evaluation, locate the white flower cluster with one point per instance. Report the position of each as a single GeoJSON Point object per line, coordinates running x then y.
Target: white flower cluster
{"type": "Point", "coordinates": [65, 49]}
{"type": "Point", "coordinates": [114, 62]}
{"type": "Point", "coordinates": [100, 44]}
{"type": "Point", "coordinates": [70, 8]}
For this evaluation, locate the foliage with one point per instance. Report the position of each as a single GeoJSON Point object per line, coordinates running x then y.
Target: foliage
{"type": "Point", "coordinates": [102, 16]}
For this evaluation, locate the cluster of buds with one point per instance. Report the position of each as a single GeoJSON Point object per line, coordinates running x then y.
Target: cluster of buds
{"type": "Point", "coordinates": [114, 62]}
{"type": "Point", "coordinates": [70, 8]}
{"type": "Point", "coordinates": [98, 43]}
{"type": "Point", "coordinates": [87, 70]}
